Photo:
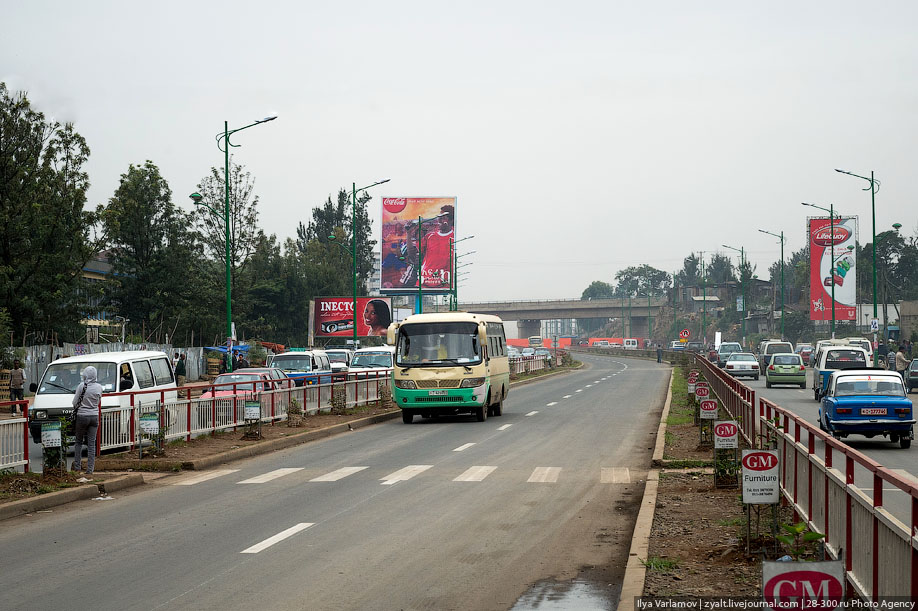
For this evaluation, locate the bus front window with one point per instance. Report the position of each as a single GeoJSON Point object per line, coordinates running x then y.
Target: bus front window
{"type": "Point", "coordinates": [445, 344]}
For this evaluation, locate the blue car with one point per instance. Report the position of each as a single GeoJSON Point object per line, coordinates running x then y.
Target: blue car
{"type": "Point", "coordinates": [868, 402]}
{"type": "Point", "coordinates": [305, 367]}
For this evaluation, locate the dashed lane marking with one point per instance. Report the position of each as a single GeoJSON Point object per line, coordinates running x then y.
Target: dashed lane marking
{"type": "Point", "coordinates": [267, 477]}
{"type": "Point", "coordinates": [203, 477]}
{"type": "Point", "coordinates": [567, 396]}
{"type": "Point", "coordinates": [277, 538]}
{"type": "Point", "coordinates": [550, 404]}
{"type": "Point", "coordinates": [545, 475]}
{"type": "Point", "coordinates": [475, 474]}
{"type": "Point", "coordinates": [615, 475]}
{"type": "Point", "coordinates": [404, 474]}
{"type": "Point", "coordinates": [334, 476]}
{"type": "Point", "coordinates": [505, 427]}
{"type": "Point", "coordinates": [588, 386]}
{"type": "Point", "coordinates": [532, 413]}
{"type": "Point", "coordinates": [463, 447]}
{"type": "Point", "coordinates": [579, 390]}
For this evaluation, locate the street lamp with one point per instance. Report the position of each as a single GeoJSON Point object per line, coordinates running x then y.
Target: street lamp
{"type": "Point", "coordinates": [781, 237]}
{"type": "Point", "coordinates": [742, 253]}
{"type": "Point", "coordinates": [832, 217]}
{"type": "Point", "coordinates": [873, 187]}
{"type": "Point", "coordinates": [197, 198]}
{"type": "Point", "coordinates": [354, 190]}
{"type": "Point", "coordinates": [454, 293]}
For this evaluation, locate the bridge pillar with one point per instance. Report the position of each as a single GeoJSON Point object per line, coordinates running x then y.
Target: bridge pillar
{"type": "Point", "coordinates": [529, 327]}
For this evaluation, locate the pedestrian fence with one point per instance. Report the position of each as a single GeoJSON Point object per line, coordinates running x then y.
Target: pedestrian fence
{"type": "Point", "coordinates": [817, 478]}
{"type": "Point", "coordinates": [526, 364]}
{"type": "Point", "coordinates": [181, 416]}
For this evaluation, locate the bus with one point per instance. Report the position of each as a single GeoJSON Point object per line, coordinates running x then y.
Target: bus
{"type": "Point", "coordinates": [450, 363]}
{"type": "Point", "coordinates": [535, 341]}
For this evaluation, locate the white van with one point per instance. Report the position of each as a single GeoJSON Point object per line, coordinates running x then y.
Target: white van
{"type": "Point", "coordinates": [140, 371]}
{"type": "Point", "coordinates": [373, 360]}
{"type": "Point", "coordinates": [631, 344]}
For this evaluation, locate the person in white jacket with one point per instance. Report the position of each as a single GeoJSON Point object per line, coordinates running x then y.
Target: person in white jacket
{"type": "Point", "coordinates": [86, 400]}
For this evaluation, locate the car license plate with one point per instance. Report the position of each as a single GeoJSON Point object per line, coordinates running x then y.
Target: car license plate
{"type": "Point", "coordinates": [873, 411]}
{"type": "Point", "coordinates": [436, 393]}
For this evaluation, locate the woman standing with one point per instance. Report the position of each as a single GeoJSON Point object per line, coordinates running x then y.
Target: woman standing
{"type": "Point", "coordinates": [86, 400]}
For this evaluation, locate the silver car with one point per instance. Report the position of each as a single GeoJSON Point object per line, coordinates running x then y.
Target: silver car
{"type": "Point", "coordinates": [741, 364]}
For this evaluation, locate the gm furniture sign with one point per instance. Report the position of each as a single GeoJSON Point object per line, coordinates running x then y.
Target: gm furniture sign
{"type": "Point", "coordinates": [726, 434]}
{"type": "Point", "coordinates": [804, 585]}
{"type": "Point", "coordinates": [760, 476]}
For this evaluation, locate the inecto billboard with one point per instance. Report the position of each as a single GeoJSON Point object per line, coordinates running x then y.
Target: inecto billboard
{"type": "Point", "coordinates": [404, 244]}
{"type": "Point", "coordinates": [334, 316]}
{"type": "Point", "coordinates": [827, 268]}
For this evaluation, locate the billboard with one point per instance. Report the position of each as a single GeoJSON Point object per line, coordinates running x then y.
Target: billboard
{"type": "Point", "coordinates": [828, 268]}
{"type": "Point", "coordinates": [405, 244]}
{"type": "Point", "coordinates": [334, 316]}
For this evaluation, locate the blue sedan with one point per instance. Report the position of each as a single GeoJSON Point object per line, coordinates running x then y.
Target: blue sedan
{"type": "Point", "coordinates": [868, 402]}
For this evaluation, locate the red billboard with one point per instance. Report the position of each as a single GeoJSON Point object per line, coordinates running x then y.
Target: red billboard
{"type": "Point", "coordinates": [418, 234]}
{"type": "Point", "coordinates": [832, 270]}
{"type": "Point", "coordinates": [334, 316]}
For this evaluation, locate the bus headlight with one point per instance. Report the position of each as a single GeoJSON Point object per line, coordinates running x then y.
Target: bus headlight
{"type": "Point", "coordinates": [406, 384]}
{"type": "Point", "coordinates": [471, 382]}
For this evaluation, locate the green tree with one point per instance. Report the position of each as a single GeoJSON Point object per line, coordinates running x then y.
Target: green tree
{"type": "Point", "coordinates": [641, 280]}
{"type": "Point", "coordinates": [690, 274]}
{"type": "Point", "coordinates": [598, 290]}
{"type": "Point", "coordinates": [46, 237]}
{"type": "Point", "coordinates": [719, 270]}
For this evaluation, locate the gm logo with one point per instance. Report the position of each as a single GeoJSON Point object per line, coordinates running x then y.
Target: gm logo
{"type": "Point", "coordinates": [760, 461]}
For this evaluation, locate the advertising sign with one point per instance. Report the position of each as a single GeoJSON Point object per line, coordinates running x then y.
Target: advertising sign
{"type": "Point", "coordinates": [702, 392]}
{"type": "Point", "coordinates": [51, 434]}
{"type": "Point", "coordinates": [726, 435]}
{"type": "Point", "coordinates": [334, 316]}
{"type": "Point", "coordinates": [149, 424]}
{"type": "Point", "coordinates": [828, 268]}
{"type": "Point", "coordinates": [708, 409]}
{"type": "Point", "coordinates": [803, 585]}
{"type": "Point", "coordinates": [409, 251]}
{"type": "Point", "coordinates": [760, 476]}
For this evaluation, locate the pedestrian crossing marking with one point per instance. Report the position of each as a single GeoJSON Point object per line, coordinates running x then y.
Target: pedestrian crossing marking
{"type": "Point", "coordinates": [404, 474]}
{"type": "Point", "coordinates": [532, 413]}
{"type": "Point", "coordinates": [203, 477]}
{"type": "Point", "coordinates": [334, 476]}
{"type": "Point", "coordinates": [463, 447]}
{"type": "Point", "coordinates": [615, 475]}
{"type": "Point", "coordinates": [267, 477]}
{"type": "Point", "coordinates": [277, 538]}
{"type": "Point", "coordinates": [545, 475]}
{"type": "Point", "coordinates": [475, 474]}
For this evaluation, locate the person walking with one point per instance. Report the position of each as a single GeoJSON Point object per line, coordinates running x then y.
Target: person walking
{"type": "Point", "coordinates": [86, 400]}
{"type": "Point", "coordinates": [901, 362]}
{"type": "Point", "coordinates": [17, 382]}
{"type": "Point", "coordinates": [659, 353]}
{"type": "Point", "coordinates": [180, 371]}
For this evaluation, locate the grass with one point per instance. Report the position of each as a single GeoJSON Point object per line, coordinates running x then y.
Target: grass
{"type": "Point", "coordinates": [738, 521]}
{"type": "Point", "coordinates": [655, 563]}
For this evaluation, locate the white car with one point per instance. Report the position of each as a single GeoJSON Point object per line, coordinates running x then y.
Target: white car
{"type": "Point", "coordinates": [739, 364]}
{"type": "Point", "coordinates": [372, 360]}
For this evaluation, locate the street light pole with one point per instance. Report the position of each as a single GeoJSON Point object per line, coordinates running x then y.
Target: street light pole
{"type": "Point", "coordinates": [831, 211]}
{"type": "Point", "coordinates": [197, 199]}
{"type": "Point", "coordinates": [354, 190]}
{"type": "Point", "coordinates": [781, 237]}
{"type": "Point", "coordinates": [742, 253]}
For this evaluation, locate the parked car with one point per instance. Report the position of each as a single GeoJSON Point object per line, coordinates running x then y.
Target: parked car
{"type": "Point", "coordinates": [739, 364]}
{"type": "Point", "coordinates": [275, 373]}
{"type": "Point", "coordinates": [242, 382]}
{"type": "Point", "coordinates": [911, 377]}
{"type": "Point", "coordinates": [771, 348]}
{"type": "Point", "coordinates": [513, 352]}
{"type": "Point", "coordinates": [528, 351]}
{"type": "Point", "coordinates": [373, 360]}
{"type": "Point", "coordinates": [340, 359]}
{"type": "Point", "coordinates": [307, 367]}
{"type": "Point", "coordinates": [630, 344]}
{"type": "Point", "coordinates": [676, 345]}
{"type": "Point", "coordinates": [786, 369]}
{"type": "Point", "coordinates": [867, 402]}
{"type": "Point", "coordinates": [725, 350]}
{"type": "Point", "coordinates": [545, 353]}
{"type": "Point", "coordinates": [694, 346]}
{"type": "Point", "coordinates": [833, 358]}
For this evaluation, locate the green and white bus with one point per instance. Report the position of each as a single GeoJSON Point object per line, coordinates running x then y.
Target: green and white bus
{"type": "Point", "coordinates": [450, 363]}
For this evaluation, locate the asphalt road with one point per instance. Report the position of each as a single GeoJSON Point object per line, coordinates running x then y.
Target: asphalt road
{"type": "Point", "coordinates": [439, 514]}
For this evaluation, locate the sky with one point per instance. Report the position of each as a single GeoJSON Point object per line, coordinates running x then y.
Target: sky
{"type": "Point", "coordinates": [580, 138]}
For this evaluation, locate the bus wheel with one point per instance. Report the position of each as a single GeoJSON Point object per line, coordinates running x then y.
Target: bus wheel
{"type": "Point", "coordinates": [407, 416]}
{"type": "Point", "coordinates": [481, 413]}
{"type": "Point", "coordinates": [498, 409]}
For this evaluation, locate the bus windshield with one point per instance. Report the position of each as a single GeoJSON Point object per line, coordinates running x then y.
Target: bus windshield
{"type": "Point", "coordinates": [438, 344]}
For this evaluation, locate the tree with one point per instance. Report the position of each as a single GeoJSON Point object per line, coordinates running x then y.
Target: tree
{"type": "Point", "coordinates": [719, 270]}
{"type": "Point", "coordinates": [598, 290]}
{"type": "Point", "coordinates": [689, 275]}
{"type": "Point", "coordinates": [46, 237]}
{"type": "Point", "coordinates": [641, 280]}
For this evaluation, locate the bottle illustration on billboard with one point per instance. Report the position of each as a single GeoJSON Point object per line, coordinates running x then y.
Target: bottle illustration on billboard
{"type": "Point", "coordinates": [839, 272]}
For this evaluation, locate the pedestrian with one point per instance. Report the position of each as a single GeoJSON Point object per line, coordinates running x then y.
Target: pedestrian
{"type": "Point", "coordinates": [180, 371]}
{"type": "Point", "coordinates": [659, 353]}
{"type": "Point", "coordinates": [86, 400]}
{"type": "Point", "coordinates": [901, 361]}
{"type": "Point", "coordinates": [17, 382]}
{"type": "Point", "coordinates": [175, 360]}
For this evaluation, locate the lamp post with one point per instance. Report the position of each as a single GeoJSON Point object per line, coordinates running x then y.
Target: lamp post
{"type": "Point", "coordinates": [832, 217]}
{"type": "Point", "coordinates": [780, 237]}
{"type": "Point", "coordinates": [197, 199]}
{"type": "Point", "coordinates": [742, 253]}
{"type": "Point", "coordinates": [454, 258]}
{"type": "Point", "coordinates": [873, 187]}
{"type": "Point", "coordinates": [704, 304]}
{"type": "Point", "coordinates": [354, 190]}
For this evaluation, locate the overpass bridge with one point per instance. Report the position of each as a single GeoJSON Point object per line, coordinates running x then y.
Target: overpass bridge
{"type": "Point", "coordinates": [529, 314]}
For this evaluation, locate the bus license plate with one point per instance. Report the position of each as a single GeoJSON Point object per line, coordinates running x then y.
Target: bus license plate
{"type": "Point", "coordinates": [436, 393]}
{"type": "Point", "coordinates": [873, 411]}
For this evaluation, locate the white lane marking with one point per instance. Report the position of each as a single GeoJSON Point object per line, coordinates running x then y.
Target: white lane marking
{"type": "Point", "coordinates": [334, 476]}
{"type": "Point", "coordinates": [277, 538]}
{"type": "Point", "coordinates": [615, 475]}
{"type": "Point", "coordinates": [579, 390]}
{"type": "Point", "coordinates": [550, 404]}
{"type": "Point", "coordinates": [267, 477]}
{"type": "Point", "coordinates": [545, 475]}
{"type": "Point", "coordinates": [567, 396]}
{"type": "Point", "coordinates": [463, 447]}
{"type": "Point", "coordinates": [475, 474]}
{"type": "Point", "coordinates": [404, 474]}
{"type": "Point", "coordinates": [597, 381]}
{"type": "Point", "coordinates": [587, 386]}
{"type": "Point", "coordinates": [505, 427]}
{"type": "Point", "coordinates": [203, 477]}
{"type": "Point", "coordinates": [532, 413]}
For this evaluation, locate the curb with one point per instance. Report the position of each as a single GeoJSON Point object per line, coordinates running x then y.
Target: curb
{"type": "Point", "coordinates": [68, 495]}
{"type": "Point", "coordinates": [635, 571]}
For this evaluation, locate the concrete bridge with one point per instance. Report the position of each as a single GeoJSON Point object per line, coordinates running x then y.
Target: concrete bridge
{"type": "Point", "coordinates": [529, 314]}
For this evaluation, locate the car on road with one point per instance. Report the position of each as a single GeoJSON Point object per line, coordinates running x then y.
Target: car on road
{"type": "Point", "coordinates": [870, 402]}
{"type": "Point", "coordinates": [864, 343]}
{"type": "Point", "coordinates": [546, 354]}
{"type": "Point", "coordinates": [694, 346]}
{"type": "Point", "coordinates": [740, 364]}
{"type": "Point", "coordinates": [528, 351]}
{"type": "Point", "coordinates": [676, 345]}
{"type": "Point", "coordinates": [513, 352]}
{"type": "Point", "coordinates": [239, 382]}
{"type": "Point", "coordinates": [804, 350]}
{"type": "Point", "coordinates": [373, 361]}
{"type": "Point", "coordinates": [725, 350]}
{"type": "Point", "coordinates": [275, 374]}
{"type": "Point", "coordinates": [786, 368]}
{"type": "Point", "coordinates": [340, 359]}
{"type": "Point", "coordinates": [831, 358]}
{"type": "Point", "coordinates": [309, 367]}
{"type": "Point", "coordinates": [911, 376]}
{"type": "Point", "coordinates": [771, 348]}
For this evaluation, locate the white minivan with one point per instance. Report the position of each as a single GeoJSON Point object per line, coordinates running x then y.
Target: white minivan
{"type": "Point", "coordinates": [631, 344]}
{"type": "Point", "coordinates": [145, 372]}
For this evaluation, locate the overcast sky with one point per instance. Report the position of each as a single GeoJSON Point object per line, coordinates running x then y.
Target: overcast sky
{"type": "Point", "coordinates": [579, 137]}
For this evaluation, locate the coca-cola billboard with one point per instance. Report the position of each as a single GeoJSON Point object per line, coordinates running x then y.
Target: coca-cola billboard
{"type": "Point", "coordinates": [413, 250]}
{"type": "Point", "coordinates": [830, 270]}
{"type": "Point", "coordinates": [334, 316]}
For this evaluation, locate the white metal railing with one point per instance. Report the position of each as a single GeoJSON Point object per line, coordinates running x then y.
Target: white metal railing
{"type": "Point", "coordinates": [14, 445]}
{"type": "Point", "coordinates": [527, 364]}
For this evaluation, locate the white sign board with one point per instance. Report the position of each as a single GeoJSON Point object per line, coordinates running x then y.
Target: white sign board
{"type": "Point", "coordinates": [252, 410]}
{"type": "Point", "coordinates": [691, 388]}
{"type": "Point", "coordinates": [51, 434]}
{"type": "Point", "coordinates": [726, 435]}
{"type": "Point", "coordinates": [702, 392]}
{"type": "Point", "coordinates": [802, 585]}
{"type": "Point", "coordinates": [149, 424]}
{"type": "Point", "coordinates": [708, 410]}
{"type": "Point", "coordinates": [760, 476]}
{"type": "Point", "coordinates": [874, 324]}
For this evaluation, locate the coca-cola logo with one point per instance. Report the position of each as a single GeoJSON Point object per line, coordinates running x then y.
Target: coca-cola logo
{"type": "Point", "coordinates": [760, 461]}
{"type": "Point", "coordinates": [726, 429]}
{"type": "Point", "coordinates": [823, 237]}
{"type": "Point", "coordinates": [394, 204]}
{"type": "Point", "coordinates": [799, 586]}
